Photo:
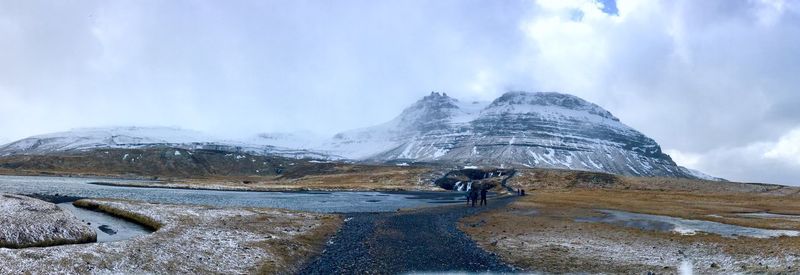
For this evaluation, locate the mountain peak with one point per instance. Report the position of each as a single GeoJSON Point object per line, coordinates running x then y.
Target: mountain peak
{"type": "Point", "coordinates": [550, 99]}
{"type": "Point", "coordinates": [522, 129]}
{"type": "Point", "coordinates": [429, 112]}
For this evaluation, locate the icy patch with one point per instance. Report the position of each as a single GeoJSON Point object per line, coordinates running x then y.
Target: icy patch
{"type": "Point", "coordinates": [686, 268]}
{"type": "Point", "coordinates": [684, 226]}
{"type": "Point", "coordinates": [766, 215]}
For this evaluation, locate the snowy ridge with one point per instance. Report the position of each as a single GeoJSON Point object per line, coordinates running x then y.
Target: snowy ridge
{"type": "Point", "coordinates": [518, 129]}
{"type": "Point", "coordinates": [546, 130]}
{"type": "Point", "coordinates": [700, 175]}
{"type": "Point", "coordinates": [142, 137]}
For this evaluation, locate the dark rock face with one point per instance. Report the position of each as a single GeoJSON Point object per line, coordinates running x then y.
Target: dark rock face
{"type": "Point", "coordinates": [518, 129]}
{"type": "Point", "coordinates": [428, 114]}
{"type": "Point", "coordinates": [465, 179]}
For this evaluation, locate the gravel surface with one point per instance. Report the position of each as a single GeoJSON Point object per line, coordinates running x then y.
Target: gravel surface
{"type": "Point", "coordinates": [423, 240]}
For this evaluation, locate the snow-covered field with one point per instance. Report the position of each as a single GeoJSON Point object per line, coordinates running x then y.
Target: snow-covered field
{"type": "Point", "coordinates": [189, 240]}
{"type": "Point", "coordinates": [26, 222]}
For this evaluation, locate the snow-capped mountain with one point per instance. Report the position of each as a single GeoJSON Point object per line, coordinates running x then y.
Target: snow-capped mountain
{"type": "Point", "coordinates": [518, 129]}
{"type": "Point", "coordinates": [547, 130]}
{"type": "Point", "coordinates": [141, 137]}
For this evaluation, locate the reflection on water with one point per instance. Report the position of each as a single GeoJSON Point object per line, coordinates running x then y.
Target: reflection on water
{"type": "Point", "coordinates": [682, 226]}
{"type": "Point", "coordinates": [107, 227]}
{"type": "Point", "coordinates": [308, 201]}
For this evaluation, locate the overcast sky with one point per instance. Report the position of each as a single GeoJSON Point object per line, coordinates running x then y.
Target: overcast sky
{"type": "Point", "coordinates": [715, 82]}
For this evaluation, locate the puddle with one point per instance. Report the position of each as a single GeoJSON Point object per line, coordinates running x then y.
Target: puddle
{"type": "Point", "coordinates": [531, 212]}
{"type": "Point", "coordinates": [107, 227]}
{"type": "Point", "coordinates": [682, 226]}
{"type": "Point", "coordinates": [767, 215]}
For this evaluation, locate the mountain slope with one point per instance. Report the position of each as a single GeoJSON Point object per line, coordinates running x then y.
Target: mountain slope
{"type": "Point", "coordinates": [143, 137]}
{"type": "Point", "coordinates": [547, 130]}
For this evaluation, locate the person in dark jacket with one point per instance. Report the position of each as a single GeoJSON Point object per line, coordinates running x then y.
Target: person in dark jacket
{"type": "Point", "coordinates": [473, 195]}
{"type": "Point", "coordinates": [483, 197]}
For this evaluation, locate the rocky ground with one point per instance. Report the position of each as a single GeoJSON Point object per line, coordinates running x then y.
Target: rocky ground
{"type": "Point", "coordinates": [27, 222]}
{"type": "Point", "coordinates": [539, 232]}
{"type": "Point", "coordinates": [422, 240]}
{"type": "Point", "coordinates": [188, 240]}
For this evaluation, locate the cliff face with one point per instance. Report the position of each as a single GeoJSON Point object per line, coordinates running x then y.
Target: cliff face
{"type": "Point", "coordinates": [547, 130]}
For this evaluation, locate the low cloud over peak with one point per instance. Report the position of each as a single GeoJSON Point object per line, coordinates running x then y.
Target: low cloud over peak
{"type": "Point", "coordinates": [715, 80]}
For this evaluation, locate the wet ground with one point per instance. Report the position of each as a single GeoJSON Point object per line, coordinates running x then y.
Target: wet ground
{"type": "Point", "coordinates": [376, 237]}
{"type": "Point", "coordinates": [682, 226]}
{"type": "Point", "coordinates": [107, 227]}
{"type": "Point", "coordinates": [422, 240]}
{"type": "Point", "coordinates": [339, 202]}
{"type": "Point", "coordinates": [766, 215]}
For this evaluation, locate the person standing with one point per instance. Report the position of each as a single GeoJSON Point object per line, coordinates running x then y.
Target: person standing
{"type": "Point", "coordinates": [483, 197]}
{"type": "Point", "coordinates": [468, 194]}
{"type": "Point", "coordinates": [473, 194]}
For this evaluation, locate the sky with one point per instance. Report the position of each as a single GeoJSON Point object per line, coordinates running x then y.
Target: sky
{"type": "Point", "coordinates": [715, 82]}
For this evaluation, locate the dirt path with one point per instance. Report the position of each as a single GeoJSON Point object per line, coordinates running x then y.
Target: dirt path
{"type": "Point", "coordinates": [414, 241]}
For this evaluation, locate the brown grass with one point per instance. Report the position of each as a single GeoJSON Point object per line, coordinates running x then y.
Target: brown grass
{"type": "Point", "coordinates": [551, 212]}
{"type": "Point", "coordinates": [690, 205]}
{"type": "Point", "coordinates": [377, 178]}
{"type": "Point", "coordinates": [344, 177]}
{"type": "Point", "coordinates": [298, 252]}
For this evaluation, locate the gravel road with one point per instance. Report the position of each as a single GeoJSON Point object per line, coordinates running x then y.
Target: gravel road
{"type": "Point", "coordinates": [422, 240]}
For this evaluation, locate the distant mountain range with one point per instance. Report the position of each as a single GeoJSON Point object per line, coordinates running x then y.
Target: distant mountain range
{"type": "Point", "coordinates": [518, 129]}
{"type": "Point", "coordinates": [88, 139]}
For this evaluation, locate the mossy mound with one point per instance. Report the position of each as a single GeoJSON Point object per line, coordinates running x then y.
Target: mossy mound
{"type": "Point", "coordinates": [29, 222]}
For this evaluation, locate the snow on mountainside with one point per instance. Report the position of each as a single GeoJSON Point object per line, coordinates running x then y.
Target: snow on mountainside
{"type": "Point", "coordinates": [519, 129]}
{"type": "Point", "coordinates": [547, 130]}
{"type": "Point", "coordinates": [139, 137]}
{"type": "Point", "coordinates": [700, 175]}
{"type": "Point", "coordinates": [429, 114]}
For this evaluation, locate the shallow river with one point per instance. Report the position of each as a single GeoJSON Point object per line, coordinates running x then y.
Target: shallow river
{"type": "Point", "coordinates": [308, 201]}
{"type": "Point", "coordinates": [107, 227]}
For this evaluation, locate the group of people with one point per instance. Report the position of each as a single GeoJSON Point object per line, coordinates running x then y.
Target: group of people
{"type": "Point", "coordinates": [472, 196]}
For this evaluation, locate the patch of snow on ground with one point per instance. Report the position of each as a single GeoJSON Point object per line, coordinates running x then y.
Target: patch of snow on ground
{"type": "Point", "coordinates": [191, 240]}
{"type": "Point", "coordinates": [26, 221]}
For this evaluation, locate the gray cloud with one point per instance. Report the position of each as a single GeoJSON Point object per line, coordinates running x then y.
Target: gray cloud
{"type": "Point", "coordinates": [712, 81]}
